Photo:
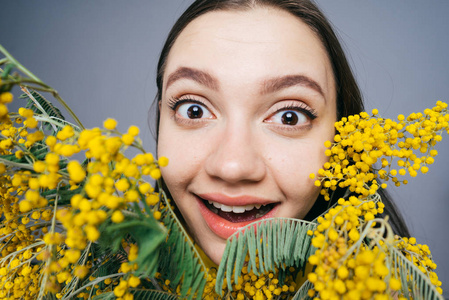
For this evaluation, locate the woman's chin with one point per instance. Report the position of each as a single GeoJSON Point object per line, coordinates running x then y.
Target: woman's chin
{"type": "Point", "coordinates": [213, 249]}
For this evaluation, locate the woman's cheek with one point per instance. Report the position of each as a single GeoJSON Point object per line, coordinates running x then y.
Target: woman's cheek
{"type": "Point", "coordinates": [177, 172]}
{"type": "Point", "coordinates": [184, 155]}
{"type": "Point", "coordinates": [292, 169]}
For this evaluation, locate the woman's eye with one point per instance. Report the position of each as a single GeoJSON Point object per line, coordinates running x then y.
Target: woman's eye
{"type": "Point", "coordinates": [193, 111]}
{"type": "Point", "coordinates": [289, 117]}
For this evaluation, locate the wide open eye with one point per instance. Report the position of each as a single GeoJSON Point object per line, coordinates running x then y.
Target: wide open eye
{"type": "Point", "coordinates": [289, 117]}
{"type": "Point", "coordinates": [189, 110]}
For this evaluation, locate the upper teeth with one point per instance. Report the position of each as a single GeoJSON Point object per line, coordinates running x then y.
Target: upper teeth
{"type": "Point", "coordinates": [235, 209]}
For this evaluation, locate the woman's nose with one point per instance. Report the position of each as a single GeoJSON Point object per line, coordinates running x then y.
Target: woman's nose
{"type": "Point", "coordinates": [236, 157]}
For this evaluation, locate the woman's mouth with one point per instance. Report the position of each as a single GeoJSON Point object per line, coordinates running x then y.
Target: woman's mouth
{"type": "Point", "coordinates": [224, 220]}
{"type": "Point", "coordinates": [236, 214]}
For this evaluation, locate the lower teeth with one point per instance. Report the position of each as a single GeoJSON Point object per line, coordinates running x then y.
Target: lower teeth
{"type": "Point", "coordinates": [259, 215]}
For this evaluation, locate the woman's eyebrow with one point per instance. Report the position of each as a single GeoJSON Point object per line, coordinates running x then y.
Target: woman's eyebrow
{"type": "Point", "coordinates": [268, 86]}
{"type": "Point", "coordinates": [199, 76]}
{"type": "Point", "coordinates": [278, 83]}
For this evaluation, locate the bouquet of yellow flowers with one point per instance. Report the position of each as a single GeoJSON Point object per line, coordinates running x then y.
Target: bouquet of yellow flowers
{"type": "Point", "coordinates": [79, 219]}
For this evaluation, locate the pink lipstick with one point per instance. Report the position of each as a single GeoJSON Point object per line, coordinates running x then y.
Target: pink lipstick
{"type": "Point", "coordinates": [225, 215]}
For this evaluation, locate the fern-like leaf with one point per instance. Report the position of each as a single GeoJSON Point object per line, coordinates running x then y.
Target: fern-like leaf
{"type": "Point", "coordinates": [105, 296]}
{"type": "Point", "coordinates": [301, 294]}
{"type": "Point", "coordinates": [181, 262]}
{"type": "Point", "coordinates": [415, 284]}
{"type": "Point", "coordinates": [146, 231]}
{"type": "Point", "coordinates": [141, 295]}
{"type": "Point", "coordinates": [40, 105]}
{"type": "Point", "coordinates": [106, 262]}
{"type": "Point", "coordinates": [152, 295]}
{"type": "Point", "coordinates": [277, 243]}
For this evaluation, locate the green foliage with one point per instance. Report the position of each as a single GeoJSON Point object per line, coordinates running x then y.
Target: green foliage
{"type": "Point", "coordinates": [141, 295]}
{"type": "Point", "coordinates": [38, 152]}
{"type": "Point", "coordinates": [277, 243]}
{"type": "Point", "coordinates": [152, 295]}
{"type": "Point", "coordinates": [40, 105]}
{"type": "Point", "coordinates": [64, 194]}
{"type": "Point", "coordinates": [301, 294]}
{"type": "Point", "coordinates": [181, 263]}
{"type": "Point", "coordinates": [43, 107]}
{"type": "Point", "coordinates": [6, 72]}
{"type": "Point", "coordinates": [145, 230]}
{"type": "Point", "coordinates": [108, 263]}
{"type": "Point", "coordinates": [414, 283]}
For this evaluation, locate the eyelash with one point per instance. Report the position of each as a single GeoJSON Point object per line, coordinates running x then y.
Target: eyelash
{"type": "Point", "coordinates": [302, 108]}
{"type": "Point", "coordinates": [174, 102]}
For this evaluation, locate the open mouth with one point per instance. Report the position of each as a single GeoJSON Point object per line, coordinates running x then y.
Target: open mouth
{"type": "Point", "coordinates": [237, 214]}
{"type": "Point", "coordinates": [225, 220]}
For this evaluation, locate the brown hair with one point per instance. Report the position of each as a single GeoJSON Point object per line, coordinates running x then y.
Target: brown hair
{"type": "Point", "coordinates": [349, 98]}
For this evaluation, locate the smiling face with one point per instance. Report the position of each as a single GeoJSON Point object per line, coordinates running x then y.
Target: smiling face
{"type": "Point", "coordinates": [248, 101]}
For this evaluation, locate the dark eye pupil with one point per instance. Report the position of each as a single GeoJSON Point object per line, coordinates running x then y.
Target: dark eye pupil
{"type": "Point", "coordinates": [194, 112]}
{"type": "Point", "coordinates": [289, 118]}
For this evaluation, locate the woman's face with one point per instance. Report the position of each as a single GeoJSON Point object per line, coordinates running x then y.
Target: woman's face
{"type": "Point", "coordinates": [248, 101]}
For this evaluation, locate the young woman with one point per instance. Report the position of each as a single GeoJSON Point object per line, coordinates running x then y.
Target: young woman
{"type": "Point", "coordinates": [248, 92]}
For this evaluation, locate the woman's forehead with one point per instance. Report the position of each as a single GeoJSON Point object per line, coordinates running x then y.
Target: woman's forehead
{"type": "Point", "coordinates": [251, 45]}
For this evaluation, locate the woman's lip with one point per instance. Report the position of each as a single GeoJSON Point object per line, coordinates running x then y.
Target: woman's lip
{"type": "Point", "coordinates": [224, 228]}
{"type": "Point", "coordinates": [234, 201]}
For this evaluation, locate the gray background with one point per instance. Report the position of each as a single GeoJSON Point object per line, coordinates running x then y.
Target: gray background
{"type": "Point", "coordinates": [101, 56]}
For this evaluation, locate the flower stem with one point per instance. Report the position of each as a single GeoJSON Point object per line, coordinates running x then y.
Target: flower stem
{"type": "Point", "coordinates": [41, 83]}
{"type": "Point", "coordinates": [18, 65]}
